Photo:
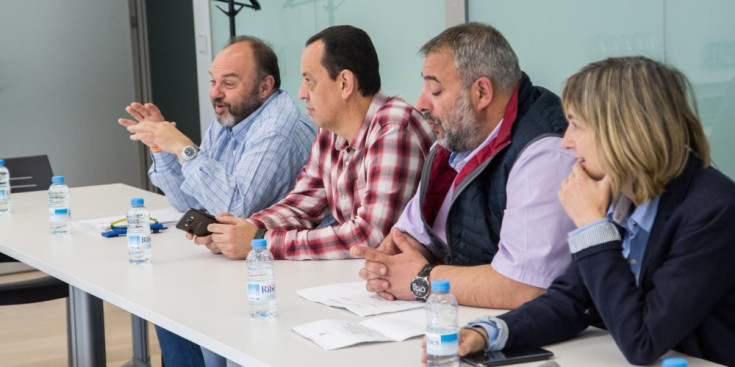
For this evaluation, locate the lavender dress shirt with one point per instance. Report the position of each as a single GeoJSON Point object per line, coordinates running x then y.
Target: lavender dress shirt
{"type": "Point", "coordinates": [532, 247]}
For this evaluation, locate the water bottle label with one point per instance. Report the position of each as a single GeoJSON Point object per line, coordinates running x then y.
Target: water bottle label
{"type": "Point", "coordinates": [58, 215]}
{"type": "Point", "coordinates": [140, 217]}
{"type": "Point", "coordinates": [261, 291]}
{"type": "Point", "coordinates": [2, 194]}
{"type": "Point", "coordinates": [139, 242]}
{"type": "Point", "coordinates": [442, 344]}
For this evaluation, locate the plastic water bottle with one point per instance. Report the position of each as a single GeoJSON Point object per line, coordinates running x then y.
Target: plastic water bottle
{"type": "Point", "coordinates": [261, 281]}
{"type": "Point", "coordinates": [442, 343]}
{"type": "Point", "coordinates": [59, 213]}
{"type": "Point", "coordinates": [674, 362]}
{"type": "Point", "coordinates": [139, 233]}
{"type": "Point", "coordinates": [4, 188]}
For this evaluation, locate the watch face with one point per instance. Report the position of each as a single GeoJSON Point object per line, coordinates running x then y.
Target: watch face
{"type": "Point", "coordinates": [420, 287]}
{"type": "Point", "coordinates": [190, 151]}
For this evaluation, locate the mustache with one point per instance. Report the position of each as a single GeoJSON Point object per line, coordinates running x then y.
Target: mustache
{"type": "Point", "coordinates": [428, 116]}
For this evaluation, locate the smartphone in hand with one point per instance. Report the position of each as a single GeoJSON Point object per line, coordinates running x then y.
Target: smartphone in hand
{"type": "Point", "coordinates": [195, 222]}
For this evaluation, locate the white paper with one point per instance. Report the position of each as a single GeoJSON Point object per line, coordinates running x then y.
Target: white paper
{"type": "Point", "coordinates": [167, 216]}
{"type": "Point", "coordinates": [356, 299]}
{"type": "Point", "coordinates": [399, 326]}
{"type": "Point", "coordinates": [334, 334]}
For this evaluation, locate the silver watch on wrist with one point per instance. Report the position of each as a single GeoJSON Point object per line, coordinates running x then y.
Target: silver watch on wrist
{"type": "Point", "coordinates": [420, 286]}
{"type": "Point", "coordinates": [188, 153]}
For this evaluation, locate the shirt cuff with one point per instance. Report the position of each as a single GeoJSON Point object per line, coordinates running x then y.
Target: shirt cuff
{"type": "Point", "coordinates": [270, 239]}
{"type": "Point", "coordinates": [497, 332]}
{"type": "Point", "coordinates": [163, 161]}
{"type": "Point", "coordinates": [592, 234]}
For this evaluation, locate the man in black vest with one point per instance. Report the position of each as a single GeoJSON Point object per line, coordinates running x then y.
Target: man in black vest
{"type": "Point", "coordinates": [486, 216]}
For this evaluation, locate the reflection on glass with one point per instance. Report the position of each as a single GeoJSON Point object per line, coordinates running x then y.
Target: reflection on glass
{"type": "Point", "coordinates": [397, 28]}
{"type": "Point", "coordinates": [557, 38]}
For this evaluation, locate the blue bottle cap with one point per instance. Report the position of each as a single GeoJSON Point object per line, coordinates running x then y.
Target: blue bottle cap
{"type": "Point", "coordinates": [259, 243]}
{"type": "Point", "coordinates": [440, 286]}
{"type": "Point", "coordinates": [57, 179]}
{"type": "Point", "coordinates": [674, 362]}
{"type": "Point", "coordinates": [2, 162]}
{"type": "Point", "coordinates": [136, 201]}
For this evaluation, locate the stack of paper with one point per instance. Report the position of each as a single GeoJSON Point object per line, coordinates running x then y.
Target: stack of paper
{"type": "Point", "coordinates": [335, 334]}
{"type": "Point", "coordinates": [167, 216]}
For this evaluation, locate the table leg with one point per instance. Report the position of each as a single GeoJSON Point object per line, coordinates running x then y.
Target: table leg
{"type": "Point", "coordinates": [141, 355]}
{"type": "Point", "coordinates": [86, 329]}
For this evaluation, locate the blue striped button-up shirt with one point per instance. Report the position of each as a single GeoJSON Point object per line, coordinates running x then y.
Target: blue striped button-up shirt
{"type": "Point", "coordinates": [243, 169]}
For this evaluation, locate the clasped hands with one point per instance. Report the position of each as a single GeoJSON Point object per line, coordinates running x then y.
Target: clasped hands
{"type": "Point", "coordinates": [391, 267]}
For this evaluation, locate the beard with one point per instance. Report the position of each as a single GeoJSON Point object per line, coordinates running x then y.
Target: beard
{"type": "Point", "coordinates": [464, 133]}
{"type": "Point", "coordinates": [240, 111]}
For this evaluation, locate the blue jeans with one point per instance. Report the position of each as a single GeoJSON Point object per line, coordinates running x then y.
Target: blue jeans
{"type": "Point", "coordinates": [177, 351]}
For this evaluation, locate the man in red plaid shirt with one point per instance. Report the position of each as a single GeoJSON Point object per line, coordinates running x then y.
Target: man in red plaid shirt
{"type": "Point", "coordinates": [364, 166]}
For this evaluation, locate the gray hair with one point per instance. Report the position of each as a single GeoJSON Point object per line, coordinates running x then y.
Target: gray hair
{"type": "Point", "coordinates": [479, 50]}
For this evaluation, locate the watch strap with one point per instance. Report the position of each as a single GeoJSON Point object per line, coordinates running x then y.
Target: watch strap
{"type": "Point", "coordinates": [425, 271]}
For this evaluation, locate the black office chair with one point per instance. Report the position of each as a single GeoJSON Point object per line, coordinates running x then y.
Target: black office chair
{"type": "Point", "coordinates": [30, 174]}
{"type": "Point", "coordinates": [26, 174]}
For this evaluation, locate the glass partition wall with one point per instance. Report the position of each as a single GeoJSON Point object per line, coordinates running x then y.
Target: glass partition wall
{"type": "Point", "coordinates": [553, 39]}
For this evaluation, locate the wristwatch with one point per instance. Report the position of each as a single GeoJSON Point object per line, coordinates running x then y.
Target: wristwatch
{"type": "Point", "coordinates": [420, 285]}
{"type": "Point", "coordinates": [260, 233]}
{"type": "Point", "coordinates": [188, 153]}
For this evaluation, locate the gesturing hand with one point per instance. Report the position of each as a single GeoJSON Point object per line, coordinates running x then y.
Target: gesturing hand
{"type": "Point", "coordinates": [146, 114]}
{"type": "Point", "coordinates": [163, 135]}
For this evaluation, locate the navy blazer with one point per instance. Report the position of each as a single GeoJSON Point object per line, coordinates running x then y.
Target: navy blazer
{"type": "Point", "coordinates": [686, 300]}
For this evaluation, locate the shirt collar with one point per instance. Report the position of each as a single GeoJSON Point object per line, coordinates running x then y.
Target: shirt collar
{"type": "Point", "coordinates": [644, 215]}
{"type": "Point", "coordinates": [378, 101]}
{"type": "Point", "coordinates": [240, 130]}
{"type": "Point", "coordinates": [457, 160]}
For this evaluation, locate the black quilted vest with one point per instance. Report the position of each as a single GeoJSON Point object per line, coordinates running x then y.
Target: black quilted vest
{"type": "Point", "coordinates": [478, 203]}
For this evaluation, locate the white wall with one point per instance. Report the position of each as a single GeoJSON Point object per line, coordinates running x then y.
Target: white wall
{"type": "Point", "coordinates": [65, 77]}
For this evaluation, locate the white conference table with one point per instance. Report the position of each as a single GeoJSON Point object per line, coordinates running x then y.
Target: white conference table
{"type": "Point", "coordinates": [203, 297]}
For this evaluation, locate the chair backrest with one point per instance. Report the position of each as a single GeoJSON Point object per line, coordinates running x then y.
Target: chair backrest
{"type": "Point", "coordinates": [31, 173]}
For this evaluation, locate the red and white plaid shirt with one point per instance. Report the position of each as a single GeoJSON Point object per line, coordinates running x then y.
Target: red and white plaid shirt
{"type": "Point", "coordinates": [364, 184]}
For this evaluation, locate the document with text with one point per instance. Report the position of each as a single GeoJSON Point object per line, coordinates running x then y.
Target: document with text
{"type": "Point", "coordinates": [356, 299]}
{"type": "Point", "coordinates": [334, 334]}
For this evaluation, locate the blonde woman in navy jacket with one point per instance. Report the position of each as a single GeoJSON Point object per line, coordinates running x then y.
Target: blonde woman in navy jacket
{"type": "Point", "coordinates": [654, 248]}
